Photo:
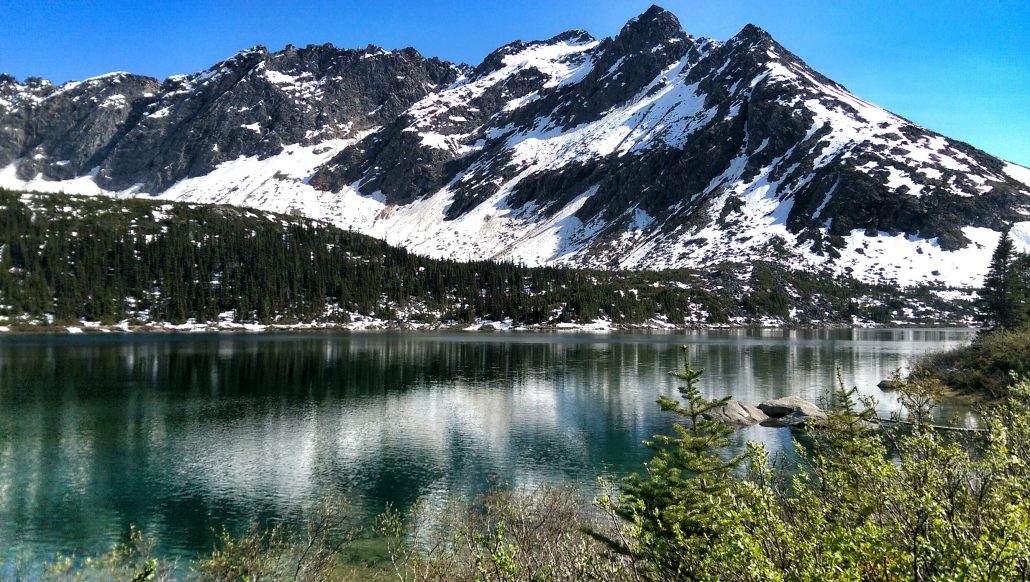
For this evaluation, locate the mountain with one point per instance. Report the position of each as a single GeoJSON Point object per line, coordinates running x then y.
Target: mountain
{"type": "Point", "coordinates": [652, 149]}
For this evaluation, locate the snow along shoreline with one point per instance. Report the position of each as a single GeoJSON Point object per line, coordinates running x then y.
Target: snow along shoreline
{"type": "Point", "coordinates": [598, 326]}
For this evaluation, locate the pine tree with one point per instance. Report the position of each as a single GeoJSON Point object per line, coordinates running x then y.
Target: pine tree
{"type": "Point", "coordinates": [1021, 275]}
{"type": "Point", "coordinates": [1003, 299]}
{"type": "Point", "coordinates": [678, 509]}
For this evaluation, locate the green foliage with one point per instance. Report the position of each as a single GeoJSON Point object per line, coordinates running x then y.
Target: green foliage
{"type": "Point", "coordinates": [134, 560]}
{"type": "Point", "coordinates": [914, 502]}
{"type": "Point", "coordinates": [70, 258]}
{"type": "Point", "coordinates": [514, 536]}
{"type": "Point", "coordinates": [909, 500]}
{"type": "Point", "coordinates": [767, 294]}
{"type": "Point", "coordinates": [107, 260]}
{"type": "Point", "coordinates": [259, 555]}
{"type": "Point", "coordinates": [277, 553]}
{"type": "Point", "coordinates": [987, 366]}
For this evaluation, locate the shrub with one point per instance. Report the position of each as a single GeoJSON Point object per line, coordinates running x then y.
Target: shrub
{"type": "Point", "coordinates": [507, 535]}
{"type": "Point", "coordinates": [986, 366]}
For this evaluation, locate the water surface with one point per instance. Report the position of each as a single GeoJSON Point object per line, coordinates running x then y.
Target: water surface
{"type": "Point", "coordinates": [180, 434]}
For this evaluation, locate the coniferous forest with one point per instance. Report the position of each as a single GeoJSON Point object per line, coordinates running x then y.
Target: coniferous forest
{"type": "Point", "coordinates": [68, 258]}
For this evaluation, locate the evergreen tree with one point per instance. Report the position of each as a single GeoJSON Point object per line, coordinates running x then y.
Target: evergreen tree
{"type": "Point", "coordinates": [679, 508]}
{"type": "Point", "coordinates": [1021, 293]}
{"type": "Point", "coordinates": [1004, 297]}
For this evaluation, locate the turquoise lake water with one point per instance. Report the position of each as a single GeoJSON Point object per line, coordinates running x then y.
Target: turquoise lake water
{"type": "Point", "coordinates": [182, 434]}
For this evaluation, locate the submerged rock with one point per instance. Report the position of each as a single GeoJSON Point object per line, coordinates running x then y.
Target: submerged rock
{"type": "Point", "coordinates": [737, 414]}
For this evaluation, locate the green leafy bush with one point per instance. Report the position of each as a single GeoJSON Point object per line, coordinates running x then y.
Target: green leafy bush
{"type": "Point", "coordinates": [987, 366]}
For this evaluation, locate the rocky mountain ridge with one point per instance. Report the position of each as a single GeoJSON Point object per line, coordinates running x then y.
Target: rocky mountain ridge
{"type": "Point", "coordinates": [651, 149]}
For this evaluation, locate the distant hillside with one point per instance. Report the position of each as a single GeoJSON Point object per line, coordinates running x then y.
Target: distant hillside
{"type": "Point", "coordinates": [67, 258]}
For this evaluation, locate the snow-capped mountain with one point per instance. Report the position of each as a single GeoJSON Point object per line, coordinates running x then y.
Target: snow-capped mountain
{"type": "Point", "coordinates": [652, 149]}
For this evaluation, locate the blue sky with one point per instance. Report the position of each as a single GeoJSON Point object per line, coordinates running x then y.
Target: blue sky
{"type": "Point", "coordinates": [958, 67]}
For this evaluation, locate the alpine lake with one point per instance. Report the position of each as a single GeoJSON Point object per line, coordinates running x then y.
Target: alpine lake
{"type": "Point", "coordinates": [182, 434]}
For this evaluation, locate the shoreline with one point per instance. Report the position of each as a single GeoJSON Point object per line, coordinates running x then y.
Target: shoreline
{"type": "Point", "coordinates": [160, 328]}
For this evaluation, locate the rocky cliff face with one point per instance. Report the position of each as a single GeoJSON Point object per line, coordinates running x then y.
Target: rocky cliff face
{"type": "Point", "coordinates": [63, 132]}
{"type": "Point", "coordinates": [651, 149]}
{"type": "Point", "coordinates": [135, 132]}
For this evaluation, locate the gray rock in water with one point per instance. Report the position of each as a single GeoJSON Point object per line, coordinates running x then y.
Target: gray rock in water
{"type": "Point", "coordinates": [737, 414]}
{"type": "Point", "coordinates": [790, 404]}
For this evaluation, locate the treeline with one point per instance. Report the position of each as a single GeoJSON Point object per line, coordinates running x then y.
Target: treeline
{"type": "Point", "coordinates": [108, 260]}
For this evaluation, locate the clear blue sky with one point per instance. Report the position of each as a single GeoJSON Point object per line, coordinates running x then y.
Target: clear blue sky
{"type": "Point", "coordinates": [958, 67]}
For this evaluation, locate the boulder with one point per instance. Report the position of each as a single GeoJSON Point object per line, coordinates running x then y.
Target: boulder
{"type": "Point", "coordinates": [736, 414]}
{"type": "Point", "coordinates": [788, 405]}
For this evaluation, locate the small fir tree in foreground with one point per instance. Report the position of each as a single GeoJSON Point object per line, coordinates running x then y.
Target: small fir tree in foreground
{"type": "Point", "coordinates": [679, 509]}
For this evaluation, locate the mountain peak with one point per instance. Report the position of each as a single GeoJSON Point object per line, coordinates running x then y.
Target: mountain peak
{"type": "Point", "coordinates": [495, 60]}
{"type": "Point", "coordinates": [655, 25]}
{"type": "Point", "coordinates": [259, 51]}
{"type": "Point", "coordinates": [752, 34]}
{"type": "Point", "coordinates": [575, 36]}
{"type": "Point", "coordinates": [653, 12]}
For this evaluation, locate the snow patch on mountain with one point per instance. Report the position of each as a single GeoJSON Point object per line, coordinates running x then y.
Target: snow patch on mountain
{"type": "Point", "coordinates": [1018, 173]}
{"type": "Point", "coordinates": [82, 185]}
{"type": "Point", "coordinates": [663, 112]}
{"type": "Point", "coordinates": [561, 63]}
{"type": "Point", "coordinates": [911, 261]}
